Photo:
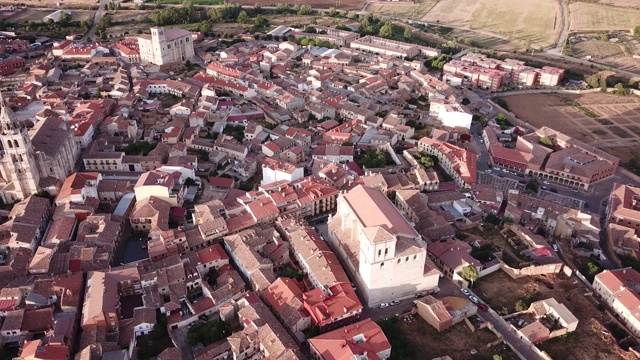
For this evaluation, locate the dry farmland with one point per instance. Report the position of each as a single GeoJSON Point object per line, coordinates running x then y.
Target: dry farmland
{"type": "Point", "coordinates": [594, 17]}
{"type": "Point", "coordinates": [634, 4]}
{"type": "Point", "coordinates": [535, 20]}
{"type": "Point", "coordinates": [36, 15]}
{"type": "Point", "coordinates": [606, 121]}
{"type": "Point", "coordinates": [401, 10]}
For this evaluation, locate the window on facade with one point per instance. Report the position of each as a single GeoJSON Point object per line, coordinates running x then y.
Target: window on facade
{"type": "Point", "coordinates": [380, 251]}
{"type": "Point", "coordinates": [386, 251]}
{"type": "Point", "coordinates": [381, 264]}
{"type": "Point", "coordinates": [10, 144]}
{"type": "Point", "coordinates": [399, 261]}
{"type": "Point", "coordinates": [407, 259]}
{"type": "Point", "coordinates": [15, 143]}
{"type": "Point", "coordinates": [415, 257]}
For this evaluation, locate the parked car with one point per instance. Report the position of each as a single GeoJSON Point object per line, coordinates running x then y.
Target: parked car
{"type": "Point", "coordinates": [384, 305]}
{"type": "Point", "coordinates": [395, 302]}
{"type": "Point", "coordinates": [465, 291]}
{"type": "Point", "coordinates": [543, 187]}
{"type": "Point", "coordinates": [545, 182]}
{"type": "Point", "coordinates": [483, 307]}
{"type": "Point", "coordinates": [488, 170]}
{"type": "Point", "coordinates": [474, 299]}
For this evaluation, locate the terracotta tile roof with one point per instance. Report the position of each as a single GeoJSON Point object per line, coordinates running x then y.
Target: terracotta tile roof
{"type": "Point", "coordinates": [364, 338]}
{"type": "Point", "coordinates": [324, 309]}
{"type": "Point", "coordinates": [373, 208]}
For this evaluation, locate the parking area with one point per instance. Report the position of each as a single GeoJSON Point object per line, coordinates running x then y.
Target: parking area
{"type": "Point", "coordinates": [503, 184]}
{"type": "Point", "coordinates": [560, 199]}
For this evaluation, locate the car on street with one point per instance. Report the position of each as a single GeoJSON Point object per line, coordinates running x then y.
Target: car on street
{"type": "Point", "coordinates": [545, 182]}
{"type": "Point", "coordinates": [483, 307]}
{"type": "Point", "coordinates": [384, 305]}
{"type": "Point", "coordinates": [543, 187]}
{"type": "Point", "coordinates": [474, 299]}
{"type": "Point", "coordinates": [395, 302]}
{"type": "Point", "coordinates": [466, 292]}
{"type": "Point", "coordinates": [488, 170]}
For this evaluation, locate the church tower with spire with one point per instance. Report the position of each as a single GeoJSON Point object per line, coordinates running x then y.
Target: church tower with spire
{"type": "Point", "coordinates": [17, 167]}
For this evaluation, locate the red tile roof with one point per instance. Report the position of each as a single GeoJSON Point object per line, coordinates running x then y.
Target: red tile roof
{"type": "Point", "coordinates": [212, 253]}
{"type": "Point", "coordinates": [345, 343]}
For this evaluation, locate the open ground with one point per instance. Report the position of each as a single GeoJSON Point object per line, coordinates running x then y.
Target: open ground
{"type": "Point", "coordinates": [606, 121]}
{"type": "Point", "coordinates": [592, 17]}
{"type": "Point", "coordinates": [634, 4]}
{"type": "Point", "coordinates": [591, 340]}
{"type": "Point", "coordinates": [538, 21]}
{"type": "Point", "coordinates": [68, 4]}
{"type": "Point", "coordinates": [430, 344]}
{"type": "Point", "coordinates": [36, 15]}
{"type": "Point", "coordinates": [401, 10]}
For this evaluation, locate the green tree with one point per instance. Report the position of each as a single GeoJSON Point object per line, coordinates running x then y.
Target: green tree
{"type": "Point", "coordinates": [407, 33]}
{"type": "Point", "coordinates": [497, 357]}
{"type": "Point", "coordinates": [261, 21]}
{"type": "Point", "coordinates": [546, 141]}
{"type": "Point", "coordinates": [204, 27]}
{"type": "Point", "coordinates": [243, 18]}
{"type": "Point", "coordinates": [347, 143]}
{"type": "Point", "coordinates": [619, 89]}
{"type": "Point", "coordinates": [465, 101]}
{"type": "Point", "coordinates": [469, 273]}
{"type": "Point", "coordinates": [386, 31]}
{"type": "Point", "coordinates": [305, 10]}
{"type": "Point", "coordinates": [520, 306]}
{"type": "Point", "coordinates": [65, 18]}
{"type": "Point", "coordinates": [636, 31]}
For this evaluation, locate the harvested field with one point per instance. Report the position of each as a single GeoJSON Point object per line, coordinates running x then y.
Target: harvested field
{"type": "Point", "coordinates": [607, 121]}
{"type": "Point", "coordinates": [634, 4]}
{"type": "Point", "coordinates": [594, 17]}
{"type": "Point", "coordinates": [68, 4]}
{"type": "Point", "coordinates": [589, 341]}
{"type": "Point", "coordinates": [596, 49]}
{"type": "Point", "coordinates": [401, 10]}
{"type": "Point", "coordinates": [318, 4]}
{"type": "Point", "coordinates": [36, 15]}
{"type": "Point", "coordinates": [534, 20]}
{"type": "Point", "coordinates": [487, 41]}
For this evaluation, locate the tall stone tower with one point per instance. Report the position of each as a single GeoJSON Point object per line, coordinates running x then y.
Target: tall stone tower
{"type": "Point", "coordinates": [159, 44]}
{"type": "Point", "coordinates": [18, 166]}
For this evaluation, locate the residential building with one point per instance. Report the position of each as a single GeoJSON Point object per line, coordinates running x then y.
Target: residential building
{"type": "Point", "coordinates": [150, 214]}
{"type": "Point", "coordinates": [624, 206]}
{"type": "Point", "coordinates": [451, 113]}
{"type": "Point", "coordinates": [276, 170]}
{"type": "Point", "coordinates": [444, 312]}
{"type": "Point", "coordinates": [161, 185]}
{"type": "Point", "coordinates": [362, 339]}
{"type": "Point", "coordinates": [383, 46]}
{"type": "Point", "coordinates": [284, 297]}
{"type": "Point", "coordinates": [619, 290]}
{"type": "Point", "coordinates": [333, 153]}
{"type": "Point", "coordinates": [459, 163]}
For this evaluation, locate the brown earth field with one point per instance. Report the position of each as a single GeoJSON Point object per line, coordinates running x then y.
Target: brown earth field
{"type": "Point", "coordinates": [607, 121]}
{"type": "Point", "coordinates": [591, 340]}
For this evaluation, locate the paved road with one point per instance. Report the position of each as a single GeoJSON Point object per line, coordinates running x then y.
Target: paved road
{"type": "Point", "coordinates": [562, 39]}
{"type": "Point", "coordinates": [99, 14]}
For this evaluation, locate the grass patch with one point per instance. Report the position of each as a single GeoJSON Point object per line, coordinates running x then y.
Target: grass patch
{"type": "Point", "coordinates": [587, 112]}
{"type": "Point", "coordinates": [604, 122]}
